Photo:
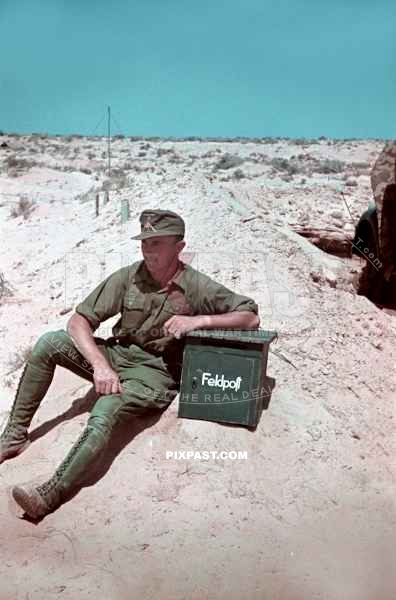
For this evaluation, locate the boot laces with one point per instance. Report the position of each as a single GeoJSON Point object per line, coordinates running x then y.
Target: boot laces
{"type": "Point", "coordinates": [52, 483]}
{"type": "Point", "coordinates": [11, 432]}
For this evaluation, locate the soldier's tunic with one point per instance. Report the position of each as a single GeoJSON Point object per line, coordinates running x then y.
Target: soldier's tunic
{"type": "Point", "coordinates": [139, 348]}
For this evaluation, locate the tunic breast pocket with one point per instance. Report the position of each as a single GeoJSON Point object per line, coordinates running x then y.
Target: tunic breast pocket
{"type": "Point", "coordinates": [177, 304]}
{"type": "Point", "coordinates": [134, 312]}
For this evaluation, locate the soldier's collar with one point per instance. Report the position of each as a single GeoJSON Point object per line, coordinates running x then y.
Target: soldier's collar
{"type": "Point", "coordinates": [178, 276]}
{"type": "Point", "coordinates": [143, 274]}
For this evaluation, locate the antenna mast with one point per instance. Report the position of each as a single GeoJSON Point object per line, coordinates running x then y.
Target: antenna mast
{"type": "Point", "coordinates": [108, 135]}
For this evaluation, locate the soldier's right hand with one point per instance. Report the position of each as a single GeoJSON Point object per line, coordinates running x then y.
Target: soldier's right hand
{"type": "Point", "coordinates": [106, 380]}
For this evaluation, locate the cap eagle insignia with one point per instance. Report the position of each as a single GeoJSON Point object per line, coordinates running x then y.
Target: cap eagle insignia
{"type": "Point", "coordinates": [147, 225]}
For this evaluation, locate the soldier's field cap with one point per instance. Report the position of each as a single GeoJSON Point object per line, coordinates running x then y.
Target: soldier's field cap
{"type": "Point", "coordinates": [159, 222]}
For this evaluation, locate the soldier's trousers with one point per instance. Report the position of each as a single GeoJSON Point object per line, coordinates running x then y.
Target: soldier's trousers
{"type": "Point", "coordinates": [146, 385]}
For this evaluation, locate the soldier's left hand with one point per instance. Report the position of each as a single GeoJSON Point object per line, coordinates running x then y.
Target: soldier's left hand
{"type": "Point", "coordinates": [178, 325]}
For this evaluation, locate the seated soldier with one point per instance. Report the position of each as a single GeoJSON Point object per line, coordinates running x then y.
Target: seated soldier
{"type": "Point", "coordinates": [138, 369]}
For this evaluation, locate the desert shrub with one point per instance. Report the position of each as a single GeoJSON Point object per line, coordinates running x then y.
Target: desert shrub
{"type": "Point", "coordinates": [142, 169]}
{"type": "Point", "coordinates": [281, 164]}
{"type": "Point", "coordinates": [228, 161]}
{"type": "Point", "coordinates": [175, 158]}
{"type": "Point", "coordinates": [291, 167]}
{"type": "Point", "coordinates": [239, 174]}
{"type": "Point", "coordinates": [5, 289]}
{"type": "Point", "coordinates": [20, 164]}
{"type": "Point", "coordinates": [23, 208]}
{"type": "Point", "coordinates": [117, 179]}
{"type": "Point", "coordinates": [163, 151]}
{"type": "Point", "coordinates": [329, 166]}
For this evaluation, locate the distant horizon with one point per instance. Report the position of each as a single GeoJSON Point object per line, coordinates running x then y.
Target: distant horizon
{"type": "Point", "coordinates": [190, 138]}
{"type": "Point", "coordinates": [246, 69]}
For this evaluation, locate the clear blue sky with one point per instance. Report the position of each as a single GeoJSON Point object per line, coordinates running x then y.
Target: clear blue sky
{"type": "Point", "coordinates": [297, 68]}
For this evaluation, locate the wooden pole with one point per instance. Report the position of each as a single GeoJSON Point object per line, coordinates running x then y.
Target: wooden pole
{"type": "Point", "coordinates": [124, 210]}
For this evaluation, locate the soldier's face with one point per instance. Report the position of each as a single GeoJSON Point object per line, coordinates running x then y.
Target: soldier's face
{"type": "Point", "coordinates": [159, 251]}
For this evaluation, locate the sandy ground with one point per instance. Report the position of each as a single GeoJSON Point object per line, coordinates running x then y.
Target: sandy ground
{"type": "Point", "coordinates": [311, 513]}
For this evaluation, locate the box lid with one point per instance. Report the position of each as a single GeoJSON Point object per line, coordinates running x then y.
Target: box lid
{"type": "Point", "coordinates": [249, 336]}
